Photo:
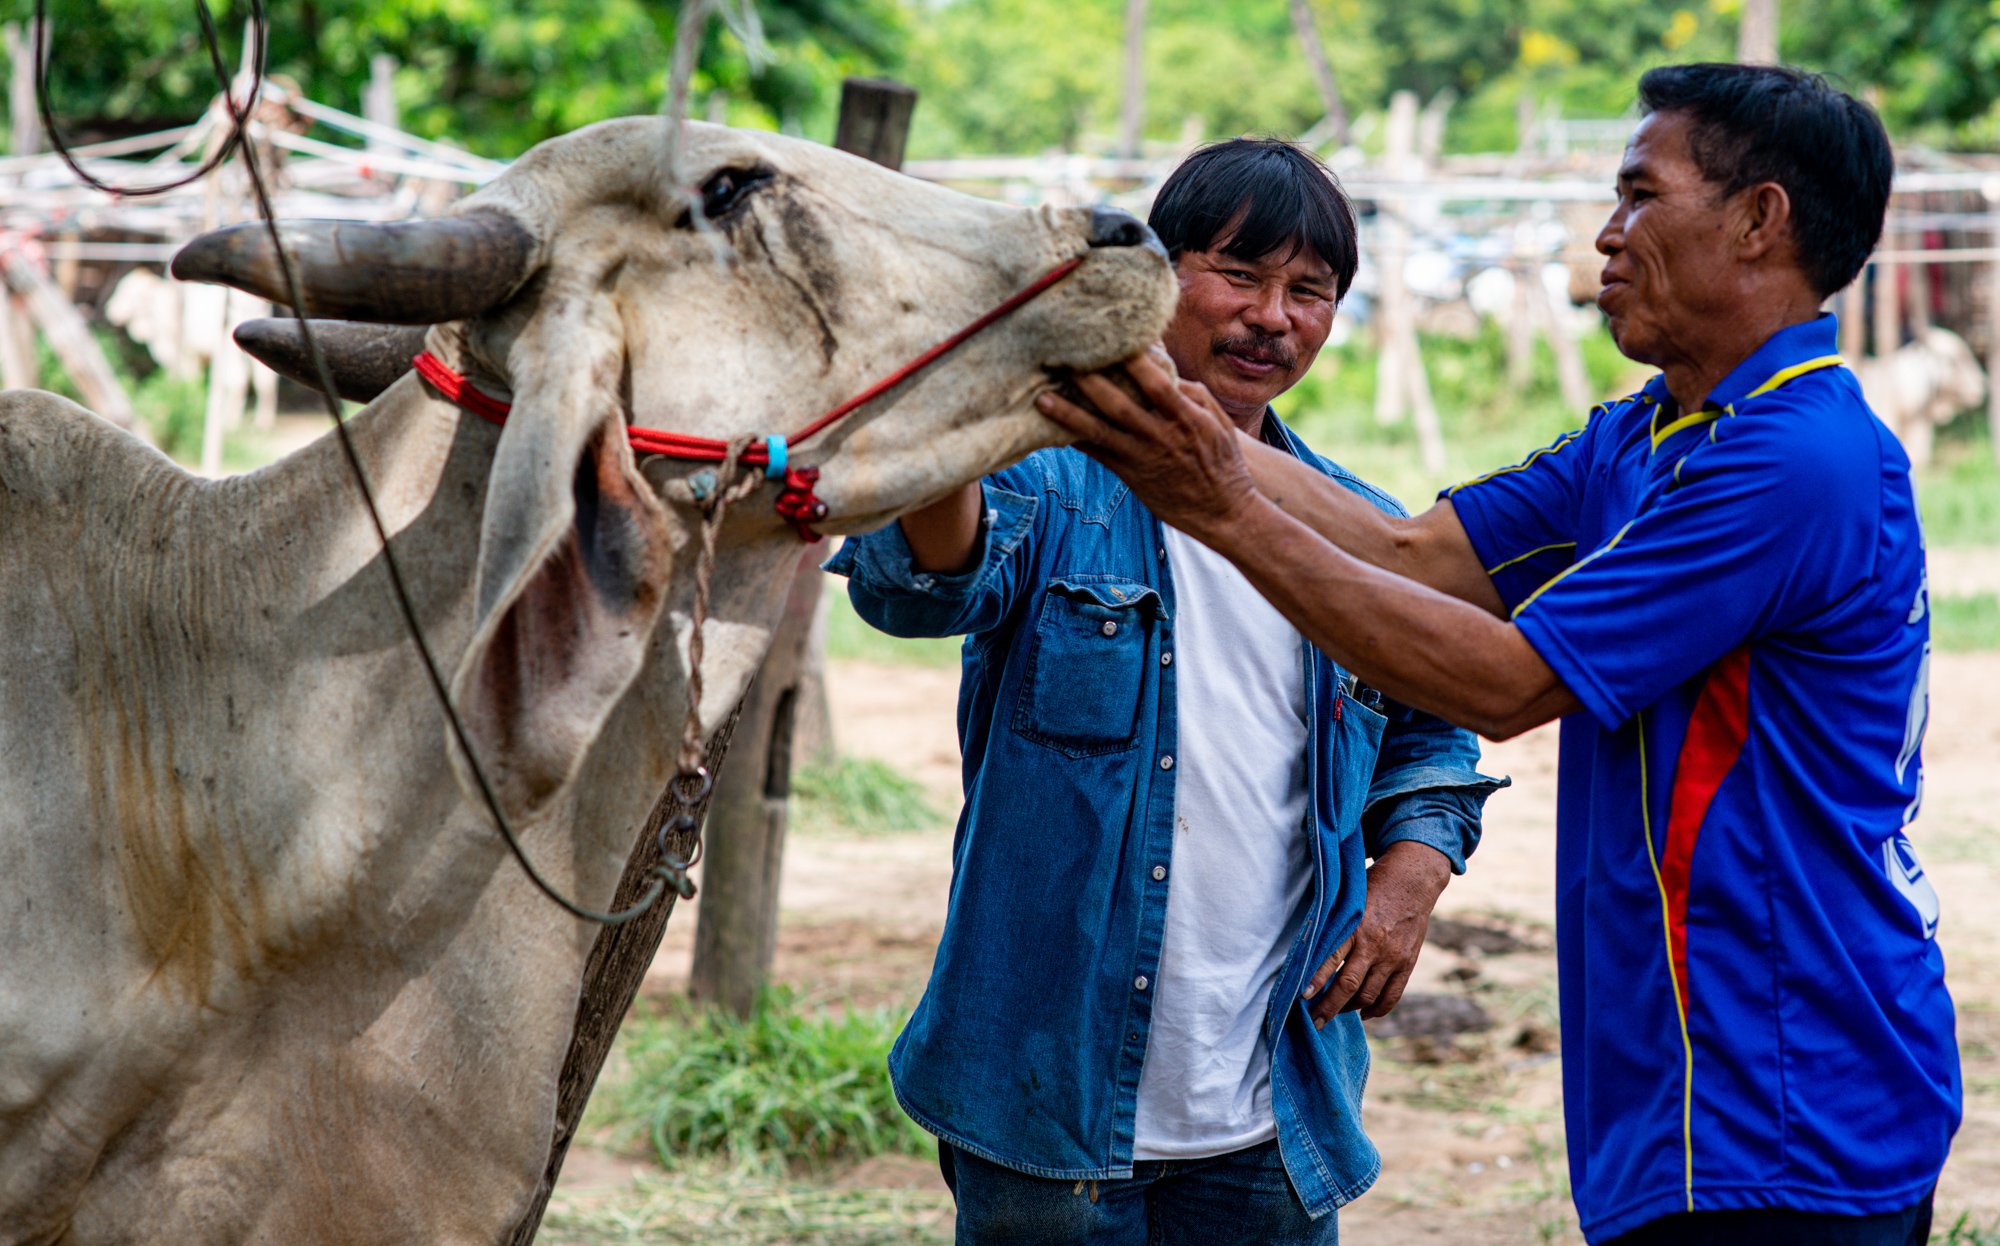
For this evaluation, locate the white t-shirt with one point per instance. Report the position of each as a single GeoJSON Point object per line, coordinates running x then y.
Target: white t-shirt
{"type": "Point", "coordinates": [1241, 862]}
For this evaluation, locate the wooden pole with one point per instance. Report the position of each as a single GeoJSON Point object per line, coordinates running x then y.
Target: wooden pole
{"type": "Point", "coordinates": [1392, 243]}
{"type": "Point", "coordinates": [378, 98]}
{"type": "Point", "coordinates": [875, 117]}
{"type": "Point", "coordinates": [736, 925]}
{"type": "Point", "coordinates": [1132, 109]}
{"type": "Point", "coordinates": [1993, 323]}
{"type": "Point", "coordinates": [617, 965]}
{"type": "Point", "coordinates": [26, 117]}
{"type": "Point", "coordinates": [67, 334]}
{"type": "Point", "coordinates": [17, 348]}
{"type": "Point", "coordinates": [1571, 380]}
{"type": "Point", "coordinates": [1757, 34]}
{"type": "Point", "coordinates": [1853, 304]}
{"type": "Point", "coordinates": [1322, 70]}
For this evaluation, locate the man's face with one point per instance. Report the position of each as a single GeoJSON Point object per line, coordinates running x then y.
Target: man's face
{"type": "Point", "coordinates": [1249, 329]}
{"type": "Point", "coordinates": [1669, 268]}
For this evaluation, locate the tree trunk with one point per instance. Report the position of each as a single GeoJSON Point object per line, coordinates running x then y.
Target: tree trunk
{"type": "Point", "coordinates": [1757, 35]}
{"type": "Point", "coordinates": [1132, 111]}
{"type": "Point", "coordinates": [68, 335]}
{"type": "Point", "coordinates": [21, 107]}
{"type": "Point", "coordinates": [1322, 70]}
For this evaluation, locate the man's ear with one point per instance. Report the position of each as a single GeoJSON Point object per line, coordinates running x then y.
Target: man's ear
{"type": "Point", "coordinates": [1765, 223]}
{"type": "Point", "coordinates": [574, 557]}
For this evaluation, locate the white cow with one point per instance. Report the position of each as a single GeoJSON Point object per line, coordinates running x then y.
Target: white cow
{"type": "Point", "coordinates": [267, 974]}
{"type": "Point", "coordinates": [1920, 386]}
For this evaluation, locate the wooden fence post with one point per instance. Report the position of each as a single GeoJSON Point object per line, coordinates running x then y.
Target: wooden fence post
{"type": "Point", "coordinates": [879, 118]}
{"type": "Point", "coordinates": [611, 978]}
{"type": "Point", "coordinates": [1314, 48]}
{"type": "Point", "coordinates": [17, 344]}
{"type": "Point", "coordinates": [21, 107]}
{"type": "Point", "coordinates": [1992, 192]}
{"type": "Point", "coordinates": [1131, 109]}
{"type": "Point", "coordinates": [68, 335]}
{"type": "Point", "coordinates": [736, 924]}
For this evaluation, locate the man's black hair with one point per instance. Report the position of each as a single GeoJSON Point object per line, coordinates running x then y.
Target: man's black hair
{"type": "Point", "coordinates": [1257, 196]}
{"type": "Point", "coordinates": [1751, 124]}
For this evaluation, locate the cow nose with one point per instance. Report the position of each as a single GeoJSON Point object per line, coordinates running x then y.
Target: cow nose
{"type": "Point", "coordinates": [1110, 227]}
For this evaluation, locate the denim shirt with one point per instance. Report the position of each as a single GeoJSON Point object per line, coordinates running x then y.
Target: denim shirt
{"type": "Point", "coordinates": [1027, 1044]}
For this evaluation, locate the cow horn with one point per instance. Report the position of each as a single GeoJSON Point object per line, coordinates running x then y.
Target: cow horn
{"type": "Point", "coordinates": [365, 359]}
{"type": "Point", "coordinates": [405, 272]}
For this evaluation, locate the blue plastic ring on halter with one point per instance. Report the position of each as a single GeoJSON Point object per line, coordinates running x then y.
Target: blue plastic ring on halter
{"type": "Point", "coordinates": [774, 467]}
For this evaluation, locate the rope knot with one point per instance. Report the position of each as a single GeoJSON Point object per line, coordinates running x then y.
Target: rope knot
{"type": "Point", "coordinates": [798, 505]}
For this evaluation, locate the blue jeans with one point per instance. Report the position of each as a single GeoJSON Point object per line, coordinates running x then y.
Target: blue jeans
{"type": "Point", "coordinates": [1242, 1197]}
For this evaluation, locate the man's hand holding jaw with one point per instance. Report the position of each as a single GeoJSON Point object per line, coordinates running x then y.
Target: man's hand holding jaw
{"type": "Point", "coordinates": [1446, 654]}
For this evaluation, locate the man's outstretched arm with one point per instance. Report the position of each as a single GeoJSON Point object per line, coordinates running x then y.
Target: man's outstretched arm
{"type": "Point", "coordinates": [1430, 548]}
{"type": "Point", "coordinates": [1414, 640]}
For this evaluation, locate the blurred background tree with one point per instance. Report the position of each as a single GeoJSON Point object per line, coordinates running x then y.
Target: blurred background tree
{"type": "Point", "coordinates": [1015, 75]}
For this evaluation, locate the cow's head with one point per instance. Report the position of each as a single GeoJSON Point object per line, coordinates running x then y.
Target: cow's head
{"type": "Point", "coordinates": [577, 283]}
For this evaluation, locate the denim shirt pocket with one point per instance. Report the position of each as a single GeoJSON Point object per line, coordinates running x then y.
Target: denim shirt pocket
{"type": "Point", "coordinates": [1086, 665]}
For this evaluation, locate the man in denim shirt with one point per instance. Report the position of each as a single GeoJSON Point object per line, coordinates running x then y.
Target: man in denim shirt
{"type": "Point", "coordinates": [1144, 1020]}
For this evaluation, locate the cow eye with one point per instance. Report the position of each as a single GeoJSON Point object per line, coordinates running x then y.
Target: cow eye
{"type": "Point", "coordinates": [724, 190]}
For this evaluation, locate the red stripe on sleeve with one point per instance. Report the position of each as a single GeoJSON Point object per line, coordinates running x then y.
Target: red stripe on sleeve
{"type": "Point", "coordinates": [1715, 736]}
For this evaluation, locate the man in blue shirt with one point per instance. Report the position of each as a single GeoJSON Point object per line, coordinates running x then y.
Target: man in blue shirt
{"type": "Point", "coordinates": [1718, 583]}
{"type": "Point", "coordinates": [1143, 1023]}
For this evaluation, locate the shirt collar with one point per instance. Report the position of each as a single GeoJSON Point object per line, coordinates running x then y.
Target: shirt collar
{"type": "Point", "coordinates": [1807, 342]}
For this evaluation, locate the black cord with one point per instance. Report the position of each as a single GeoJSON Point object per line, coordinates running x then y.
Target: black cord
{"type": "Point", "coordinates": [208, 36]}
{"type": "Point", "coordinates": [239, 140]}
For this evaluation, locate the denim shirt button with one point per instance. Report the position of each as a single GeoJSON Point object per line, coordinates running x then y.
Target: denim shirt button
{"type": "Point", "coordinates": [1109, 628]}
{"type": "Point", "coordinates": [924, 582]}
{"type": "Point", "coordinates": [1167, 762]}
{"type": "Point", "coordinates": [1167, 658]}
{"type": "Point", "coordinates": [1159, 872]}
{"type": "Point", "coordinates": [1139, 983]}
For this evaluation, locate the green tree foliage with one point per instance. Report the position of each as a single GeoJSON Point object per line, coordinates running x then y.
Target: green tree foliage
{"type": "Point", "coordinates": [496, 75]}
{"type": "Point", "coordinates": [1932, 66]}
{"type": "Point", "coordinates": [1014, 75]}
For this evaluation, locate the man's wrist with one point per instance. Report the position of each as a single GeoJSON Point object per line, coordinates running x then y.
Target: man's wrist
{"type": "Point", "coordinates": [1236, 526]}
{"type": "Point", "coordinates": [1418, 862]}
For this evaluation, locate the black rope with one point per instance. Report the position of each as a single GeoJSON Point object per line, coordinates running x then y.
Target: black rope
{"type": "Point", "coordinates": [209, 39]}
{"type": "Point", "coordinates": [664, 876]}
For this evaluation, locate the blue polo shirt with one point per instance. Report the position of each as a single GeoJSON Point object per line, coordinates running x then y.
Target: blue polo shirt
{"type": "Point", "coordinates": [1754, 1011]}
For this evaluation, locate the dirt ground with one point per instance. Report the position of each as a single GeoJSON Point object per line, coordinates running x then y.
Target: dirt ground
{"type": "Point", "coordinates": [1470, 1129]}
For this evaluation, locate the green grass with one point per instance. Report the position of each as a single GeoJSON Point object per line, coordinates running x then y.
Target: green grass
{"type": "Point", "coordinates": [1959, 493]}
{"type": "Point", "coordinates": [784, 1090]}
{"type": "Point", "coordinates": [848, 639]}
{"type": "Point", "coordinates": [863, 795]}
{"type": "Point", "coordinates": [1965, 624]}
{"type": "Point", "coordinates": [1964, 1232]}
{"type": "Point", "coordinates": [715, 1206]}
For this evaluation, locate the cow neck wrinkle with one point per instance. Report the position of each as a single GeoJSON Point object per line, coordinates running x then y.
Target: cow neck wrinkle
{"type": "Point", "coordinates": [796, 501]}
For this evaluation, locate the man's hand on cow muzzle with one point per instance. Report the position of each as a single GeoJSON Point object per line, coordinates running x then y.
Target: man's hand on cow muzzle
{"type": "Point", "coordinates": [1172, 443]}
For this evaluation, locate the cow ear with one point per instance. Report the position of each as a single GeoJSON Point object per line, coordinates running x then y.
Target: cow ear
{"type": "Point", "coordinates": [574, 557]}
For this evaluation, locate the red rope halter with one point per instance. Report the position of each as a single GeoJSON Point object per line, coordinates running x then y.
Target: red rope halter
{"type": "Point", "coordinates": [796, 501]}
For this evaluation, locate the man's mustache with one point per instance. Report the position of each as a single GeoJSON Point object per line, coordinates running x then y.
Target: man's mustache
{"type": "Point", "coordinates": [1263, 347]}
